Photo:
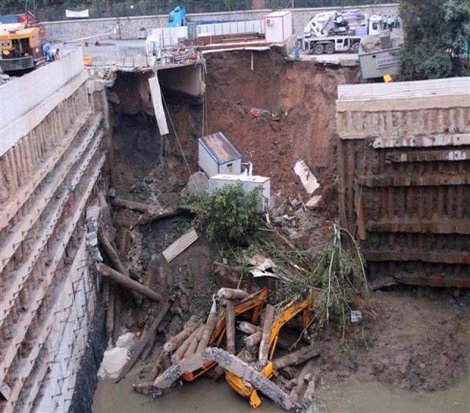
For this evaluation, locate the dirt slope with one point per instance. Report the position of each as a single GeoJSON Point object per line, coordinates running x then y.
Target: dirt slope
{"type": "Point", "coordinates": [300, 94]}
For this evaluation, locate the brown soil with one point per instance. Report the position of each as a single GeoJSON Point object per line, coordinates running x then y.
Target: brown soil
{"type": "Point", "coordinates": [300, 94]}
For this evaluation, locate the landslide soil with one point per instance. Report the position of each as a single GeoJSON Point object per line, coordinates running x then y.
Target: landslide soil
{"type": "Point", "coordinates": [300, 95]}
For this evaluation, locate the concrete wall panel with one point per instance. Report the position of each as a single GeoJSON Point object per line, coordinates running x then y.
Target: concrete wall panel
{"type": "Point", "coordinates": [37, 94]}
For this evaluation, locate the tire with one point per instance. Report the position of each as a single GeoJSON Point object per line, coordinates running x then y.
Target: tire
{"type": "Point", "coordinates": [318, 49]}
{"type": "Point", "coordinates": [355, 47]}
{"type": "Point", "coordinates": [329, 48]}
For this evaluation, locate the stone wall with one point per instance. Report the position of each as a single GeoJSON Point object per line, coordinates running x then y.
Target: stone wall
{"type": "Point", "coordinates": [128, 27]}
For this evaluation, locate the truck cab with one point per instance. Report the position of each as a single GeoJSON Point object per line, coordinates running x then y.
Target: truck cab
{"type": "Point", "coordinates": [177, 17]}
{"type": "Point", "coordinates": [375, 25]}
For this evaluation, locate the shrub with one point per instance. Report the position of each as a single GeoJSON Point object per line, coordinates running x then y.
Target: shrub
{"type": "Point", "coordinates": [228, 214]}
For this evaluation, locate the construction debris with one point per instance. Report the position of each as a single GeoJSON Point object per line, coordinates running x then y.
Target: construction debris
{"type": "Point", "coordinates": [263, 267]}
{"type": "Point", "coordinates": [122, 280]}
{"type": "Point", "coordinates": [308, 180]}
{"type": "Point", "coordinates": [231, 294]}
{"type": "Point", "coordinates": [265, 338]}
{"type": "Point", "coordinates": [147, 339]}
{"type": "Point", "coordinates": [115, 358]}
{"type": "Point", "coordinates": [295, 358]}
{"type": "Point", "coordinates": [195, 349]}
{"type": "Point", "coordinates": [180, 245]}
{"type": "Point", "coordinates": [208, 328]}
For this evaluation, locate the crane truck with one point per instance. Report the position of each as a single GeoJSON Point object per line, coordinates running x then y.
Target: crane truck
{"type": "Point", "coordinates": [332, 32]}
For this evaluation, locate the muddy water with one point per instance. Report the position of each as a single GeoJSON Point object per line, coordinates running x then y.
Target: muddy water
{"type": "Point", "coordinates": [202, 396]}
{"type": "Point", "coordinates": [377, 398]}
{"type": "Point", "coordinates": [205, 396]}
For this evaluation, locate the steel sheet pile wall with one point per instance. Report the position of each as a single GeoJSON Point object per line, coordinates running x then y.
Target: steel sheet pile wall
{"type": "Point", "coordinates": [48, 176]}
{"type": "Point", "coordinates": [404, 162]}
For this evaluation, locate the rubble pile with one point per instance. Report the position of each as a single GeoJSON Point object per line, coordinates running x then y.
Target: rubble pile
{"type": "Point", "coordinates": [238, 339]}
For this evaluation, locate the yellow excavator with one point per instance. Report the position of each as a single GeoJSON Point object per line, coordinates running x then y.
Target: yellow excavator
{"type": "Point", "coordinates": [255, 303]}
{"type": "Point", "coordinates": [21, 49]}
{"type": "Point", "coordinates": [291, 310]}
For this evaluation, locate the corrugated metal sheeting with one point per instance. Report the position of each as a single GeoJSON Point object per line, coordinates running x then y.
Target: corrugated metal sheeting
{"type": "Point", "coordinates": [404, 178]}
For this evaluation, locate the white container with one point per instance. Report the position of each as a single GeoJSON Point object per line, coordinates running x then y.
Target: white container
{"type": "Point", "coordinates": [249, 183]}
{"type": "Point", "coordinates": [278, 26]}
{"type": "Point", "coordinates": [164, 38]}
{"type": "Point", "coordinates": [230, 28]}
{"type": "Point", "coordinates": [217, 155]}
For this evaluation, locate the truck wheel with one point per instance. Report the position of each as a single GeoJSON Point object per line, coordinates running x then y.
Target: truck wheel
{"type": "Point", "coordinates": [319, 49]}
{"type": "Point", "coordinates": [329, 48]}
{"type": "Point", "coordinates": [355, 47]}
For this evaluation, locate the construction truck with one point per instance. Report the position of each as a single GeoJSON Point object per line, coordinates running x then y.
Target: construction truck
{"type": "Point", "coordinates": [332, 32]}
{"type": "Point", "coordinates": [21, 49]}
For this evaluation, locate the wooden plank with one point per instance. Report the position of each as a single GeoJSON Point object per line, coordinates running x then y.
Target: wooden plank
{"type": "Point", "coordinates": [437, 226]}
{"type": "Point", "coordinates": [414, 180]}
{"type": "Point", "coordinates": [23, 194]}
{"type": "Point", "coordinates": [180, 245]}
{"type": "Point", "coordinates": [428, 156]}
{"type": "Point", "coordinates": [148, 336]}
{"type": "Point", "coordinates": [439, 256]}
{"type": "Point", "coordinates": [56, 253]}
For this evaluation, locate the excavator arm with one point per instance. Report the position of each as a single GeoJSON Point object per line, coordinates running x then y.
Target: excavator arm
{"type": "Point", "coordinates": [255, 302]}
{"type": "Point", "coordinates": [290, 311]}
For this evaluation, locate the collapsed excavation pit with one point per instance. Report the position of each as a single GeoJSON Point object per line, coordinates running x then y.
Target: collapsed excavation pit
{"type": "Point", "coordinates": [297, 107]}
{"type": "Point", "coordinates": [96, 180]}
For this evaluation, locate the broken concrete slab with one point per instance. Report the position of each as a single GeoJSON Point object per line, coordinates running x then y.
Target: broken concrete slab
{"type": "Point", "coordinates": [309, 181]}
{"type": "Point", "coordinates": [114, 359]}
{"type": "Point", "coordinates": [313, 202]}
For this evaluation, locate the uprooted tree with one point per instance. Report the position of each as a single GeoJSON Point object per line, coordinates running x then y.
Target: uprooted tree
{"type": "Point", "coordinates": [228, 214]}
{"type": "Point", "coordinates": [435, 36]}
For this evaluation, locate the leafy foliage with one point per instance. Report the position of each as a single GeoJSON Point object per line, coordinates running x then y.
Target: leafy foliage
{"type": "Point", "coordinates": [227, 214]}
{"type": "Point", "coordinates": [435, 32]}
{"type": "Point", "coordinates": [338, 275]}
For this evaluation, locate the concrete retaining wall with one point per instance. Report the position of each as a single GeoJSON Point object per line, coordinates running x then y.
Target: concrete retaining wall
{"type": "Point", "coordinates": [26, 101]}
{"type": "Point", "coordinates": [50, 168]}
{"type": "Point", "coordinates": [128, 28]}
